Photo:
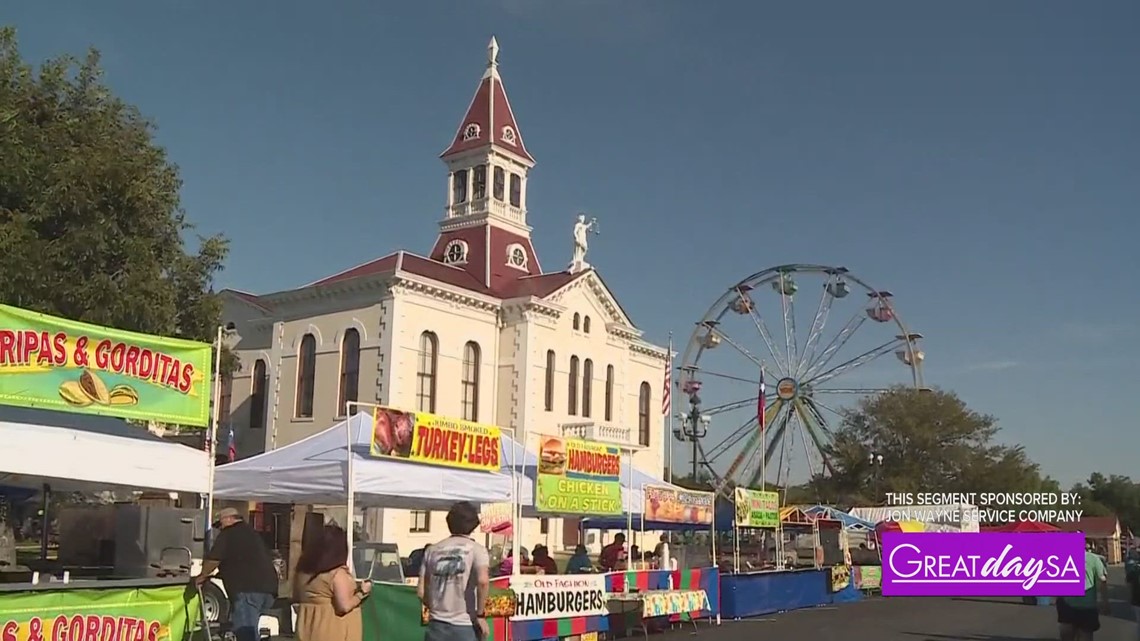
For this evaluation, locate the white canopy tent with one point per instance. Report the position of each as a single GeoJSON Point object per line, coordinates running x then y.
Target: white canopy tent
{"type": "Point", "coordinates": [314, 471]}
{"type": "Point", "coordinates": [82, 452]}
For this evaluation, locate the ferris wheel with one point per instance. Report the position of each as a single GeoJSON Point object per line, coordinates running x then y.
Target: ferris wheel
{"type": "Point", "coordinates": [809, 377]}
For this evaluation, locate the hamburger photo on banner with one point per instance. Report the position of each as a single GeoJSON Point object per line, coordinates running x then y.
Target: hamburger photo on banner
{"type": "Point", "coordinates": [552, 457]}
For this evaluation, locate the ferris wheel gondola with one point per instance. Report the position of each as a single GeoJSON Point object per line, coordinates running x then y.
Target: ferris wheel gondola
{"type": "Point", "coordinates": [807, 375]}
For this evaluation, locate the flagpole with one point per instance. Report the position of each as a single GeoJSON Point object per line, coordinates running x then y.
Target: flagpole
{"type": "Point", "coordinates": [669, 426]}
{"type": "Point", "coordinates": [213, 429]}
{"type": "Point", "coordinates": [763, 418]}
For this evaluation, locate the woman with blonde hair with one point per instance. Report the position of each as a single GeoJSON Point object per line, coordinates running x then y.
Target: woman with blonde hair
{"type": "Point", "coordinates": [327, 595]}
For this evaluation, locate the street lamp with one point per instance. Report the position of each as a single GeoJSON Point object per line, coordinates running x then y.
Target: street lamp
{"type": "Point", "coordinates": [693, 427]}
{"type": "Point", "coordinates": [875, 460]}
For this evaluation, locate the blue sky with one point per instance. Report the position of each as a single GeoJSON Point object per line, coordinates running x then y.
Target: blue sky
{"type": "Point", "coordinates": [981, 160]}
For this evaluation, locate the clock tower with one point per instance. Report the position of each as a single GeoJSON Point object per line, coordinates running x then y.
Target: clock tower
{"type": "Point", "coordinates": [484, 230]}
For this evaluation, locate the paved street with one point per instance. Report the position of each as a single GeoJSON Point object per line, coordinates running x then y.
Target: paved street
{"type": "Point", "coordinates": [923, 620]}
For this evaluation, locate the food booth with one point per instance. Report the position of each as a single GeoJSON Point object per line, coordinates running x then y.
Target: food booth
{"type": "Point", "coordinates": [65, 388]}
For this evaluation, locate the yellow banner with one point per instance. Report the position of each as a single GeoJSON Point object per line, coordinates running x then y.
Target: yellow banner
{"type": "Point", "coordinates": [578, 477]}
{"type": "Point", "coordinates": [436, 440]}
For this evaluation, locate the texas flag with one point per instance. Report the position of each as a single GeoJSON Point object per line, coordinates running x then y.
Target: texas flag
{"type": "Point", "coordinates": [231, 454]}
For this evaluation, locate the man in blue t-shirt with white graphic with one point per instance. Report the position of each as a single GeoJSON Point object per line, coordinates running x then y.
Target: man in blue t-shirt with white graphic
{"type": "Point", "coordinates": [1079, 617]}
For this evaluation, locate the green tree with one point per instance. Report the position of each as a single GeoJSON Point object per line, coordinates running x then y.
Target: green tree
{"type": "Point", "coordinates": [91, 226]}
{"type": "Point", "coordinates": [1113, 495]}
{"type": "Point", "coordinates": [930, 441]}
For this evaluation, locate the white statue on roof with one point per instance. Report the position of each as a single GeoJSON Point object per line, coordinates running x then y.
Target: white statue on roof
{"type": "Point", "coordinates": [582, 230]}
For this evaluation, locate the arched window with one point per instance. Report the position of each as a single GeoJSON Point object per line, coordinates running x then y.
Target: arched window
{"type": "Point", "coordinates": [609, 392]}
{"type": "Point", "coordinates": [500, 183]}
{"type": "Point", "coordinates": [258, 397]}
{"type": "Point", "coordinates": [471, 358]}
{"type": "Point", "coordinates": [349, 370]}
{"type": "Point", "coordinates": [586, 324]}
{"type": "Point", "coordinates": [479, 182]}
{"type": "Point", "coordinates": [425, 373]}
{"type": "Point", "coordinates": [306, 377]}
{"type": "Point", "coordinates": [643, 402]}
{"type": "Point", "coordinates": [572, 404]}
{"type": "Point", "coordinates": [551, 366]}
{"type": "Point", "coordinates": [587, 386]}
{"type": "Point", "coordinates": [577, 321]}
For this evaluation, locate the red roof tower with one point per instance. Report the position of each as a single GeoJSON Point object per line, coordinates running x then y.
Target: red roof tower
{"type": "Point", "coordinates": [484, 230]}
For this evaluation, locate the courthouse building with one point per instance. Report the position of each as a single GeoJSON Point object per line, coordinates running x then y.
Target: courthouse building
{"type": "Point", "coordinates": [474, 329]}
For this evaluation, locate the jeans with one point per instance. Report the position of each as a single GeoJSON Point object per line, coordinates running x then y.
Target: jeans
{"type": "Point", "coordinates": [245, 613]}
{"type": "Point", "coordinates": [440, 631]}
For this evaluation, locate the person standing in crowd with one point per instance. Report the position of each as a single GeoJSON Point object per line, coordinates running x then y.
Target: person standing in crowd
{"type": "Point", "coordinates": [1132, 574]}
{"type": "Point", "coordinates": [579, 562]}
{"type": "Point", "coordinates": [416, 560]}
{"type": "Point", "coordinates": [661, 553]}
{"type": "Point", "coordinates": [1079, 617]}
{"type": "Point", "coordinates": [246, 568]}
{"type": "Point", "coordinates": [455, 580]}
{"type": "Point", "coordinates": [326, 592]}
{"type": "Point", "coordinates": [613, 555]}
{"type": "Point", "coordinates": [543, 560]}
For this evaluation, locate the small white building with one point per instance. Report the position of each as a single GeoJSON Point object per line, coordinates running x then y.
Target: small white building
{"type": "Point", "coordinates": [474, 329]}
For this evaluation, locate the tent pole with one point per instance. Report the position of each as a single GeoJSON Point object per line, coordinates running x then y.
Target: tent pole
{"type": "Point", "coordinates": [44, 520]}
{"type": "Point", "coordinates": [350, 527]}
{"type": "Point", "coordinates": [213, 430]}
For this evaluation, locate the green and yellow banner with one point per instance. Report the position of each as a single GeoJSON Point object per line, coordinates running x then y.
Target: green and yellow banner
{"type": "Point", "coordinates": [165, 613]}
{"type": "Point", "coordinates": [578, 477]}
{"type": "Point", "coordinates": [757, 509]}
{"type": "Point", "coordinates": [55, 363]}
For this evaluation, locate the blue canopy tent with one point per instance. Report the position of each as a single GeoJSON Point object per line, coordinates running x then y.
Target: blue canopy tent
{"type": "Point", "coordinates": [847, 521]}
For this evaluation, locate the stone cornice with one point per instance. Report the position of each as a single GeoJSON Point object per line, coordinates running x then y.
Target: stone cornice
{"type": "Point", "coordinates": [335, 290]}
{"type": "Point", "coordinates": [537, 305]}
{"type": "Point", "coordinates": [648, 349]}
{"type": "Point", "coordinates": [404, 282]}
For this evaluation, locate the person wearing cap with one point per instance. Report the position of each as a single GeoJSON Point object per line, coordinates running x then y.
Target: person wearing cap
{"type": "Point", "coordinates": [246, 568]}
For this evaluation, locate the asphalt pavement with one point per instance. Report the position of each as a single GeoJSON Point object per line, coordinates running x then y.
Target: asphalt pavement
{"type": "Point", "coordinates": [920, 619]}
{"type": "Point", "coordinates": [916, 619]}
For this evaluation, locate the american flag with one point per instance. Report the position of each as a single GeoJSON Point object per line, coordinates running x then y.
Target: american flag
{"type": "Point", "coordinates": [760, 418]}
{"type": "Point", "coordinates": [666, 394]}
{"type": "Point", "coordinates": [231, 453]}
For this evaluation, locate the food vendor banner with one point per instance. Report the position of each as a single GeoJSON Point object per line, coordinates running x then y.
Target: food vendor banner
{"type": "Point", "coordinates": [674, 505]}
{"type": "Point", "coordinates": [757, 509]}
{"type": "Point", "coordinates": [123, 614]}
{"type": "Point", "coordinates": [553, 596]}
{"type": "Point", "coordinates": [436, 440]}
{"type": "Point", "coordinates": [55, 363]}
{"type": "Point", "coordinates": [578, 477]}
{"type": "Point", "coordinates": [495, 518]}
{"type": "Point", "coordinates": [868, 577]}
